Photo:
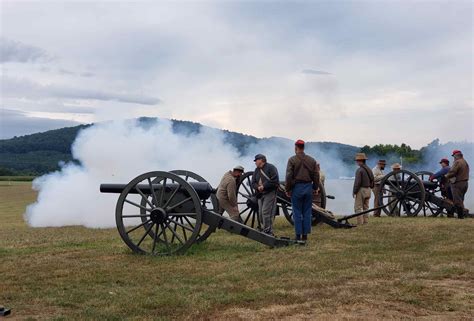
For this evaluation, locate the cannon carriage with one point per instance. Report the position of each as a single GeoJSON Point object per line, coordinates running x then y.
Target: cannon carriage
{"type": "Point", "coordinates": [165, 213]}
{"type": "Point", "coordinates": [405, 193]}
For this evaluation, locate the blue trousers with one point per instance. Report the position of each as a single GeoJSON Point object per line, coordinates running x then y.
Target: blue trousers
{"type": "Point", "coordinates": [301, 202]}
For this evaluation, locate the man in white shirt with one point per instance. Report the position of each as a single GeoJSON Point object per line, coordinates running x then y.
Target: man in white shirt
{"type": "Point", "coordinates": [378, 175]}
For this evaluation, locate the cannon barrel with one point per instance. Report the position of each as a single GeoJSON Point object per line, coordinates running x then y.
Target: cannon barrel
{"type": "Point", "coordinates": [203, 189]}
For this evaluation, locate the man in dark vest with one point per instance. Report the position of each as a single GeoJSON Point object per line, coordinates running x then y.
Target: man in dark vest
{"type": "Point", "coordinates": [265, 181]}
{"type": "Point", "coordinates": [302, 178]}
{"type": "Point", "coordinates": [363, 183]}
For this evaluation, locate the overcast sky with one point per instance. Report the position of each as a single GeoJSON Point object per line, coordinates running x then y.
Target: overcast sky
{"type": "Point", "coordinates": [353, 72]}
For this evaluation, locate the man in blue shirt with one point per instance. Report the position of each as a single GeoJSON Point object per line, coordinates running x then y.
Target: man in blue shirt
{"type": "Point", "coordinates": [443, 182]}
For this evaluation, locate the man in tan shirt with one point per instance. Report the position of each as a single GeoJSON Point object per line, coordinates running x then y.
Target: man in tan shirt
{"type": "Point", "coordinates": [227, 193]}
{"type": "Point", "coordinates": [378, 175]}
{"type": "Point", "coordinates": [459, 177]}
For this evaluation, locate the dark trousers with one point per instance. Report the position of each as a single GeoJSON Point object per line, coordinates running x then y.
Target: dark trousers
{"type": "Point", "coordinates": [459, 189]}
{"type": "Point", "coordinates": [301, 202]}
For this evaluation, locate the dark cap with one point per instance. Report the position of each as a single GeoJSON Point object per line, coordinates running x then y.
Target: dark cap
{"type": "Point", "coordinates": [259, 156]}
{"type": "Point", "coordinates": [444, 160]}
{"type": "Point", "coordinates": [456, 151]}
{"type": "Point", "coordinates": [382, 162]}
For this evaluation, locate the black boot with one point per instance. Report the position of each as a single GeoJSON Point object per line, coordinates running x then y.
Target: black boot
{"type": "Point", "coordinates": [460, 212]}
{"type": "Point", "coordinates": [305, 237]}
{"type": "Point", "coordinates": [298, 237]}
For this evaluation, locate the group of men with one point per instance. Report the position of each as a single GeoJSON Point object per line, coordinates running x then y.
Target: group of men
{"type": "Point", "coordinates": [301, 183]}
{"type": "Point", "coordinates": [453, 181]}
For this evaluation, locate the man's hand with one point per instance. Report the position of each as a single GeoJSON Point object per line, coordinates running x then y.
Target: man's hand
{"type": "Point", "coordinates": [288, 194]}
{"type": "Point", "coordinates": [353, 195]}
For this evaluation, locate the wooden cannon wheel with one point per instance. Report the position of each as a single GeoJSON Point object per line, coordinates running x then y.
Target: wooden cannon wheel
{"type": "Point", "coordinates": [211, 204]}
{"type": "Point", "coordinates": [248, 202]}
{"type": "Point", "coordinates": [170, 220]}
{"type": "Point", "coordinates": [429, 208]}
{"type": "Point", "coordinates": [401, 193]}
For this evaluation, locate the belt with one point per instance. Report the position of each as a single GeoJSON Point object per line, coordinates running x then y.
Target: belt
{"type": "Point", "coordinates": [464, 180]}
{"type": "Point", "coordinates": [303, 182]}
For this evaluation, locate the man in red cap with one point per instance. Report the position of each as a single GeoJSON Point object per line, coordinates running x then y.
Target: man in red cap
{"type": "Point", "coordinates": [302, 178]}
{"type": "Point", "coordinates": [458, 175]}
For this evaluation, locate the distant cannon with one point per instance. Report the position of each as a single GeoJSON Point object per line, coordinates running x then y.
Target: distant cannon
{"type": "Point", "coordinates": [406, 193]}
{"type": "Point", "coordinates": [164, 213]}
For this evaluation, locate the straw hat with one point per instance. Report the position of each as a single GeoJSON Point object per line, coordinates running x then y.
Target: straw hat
{"type": "Point", "coordinates": [396, 166]}
{"type": "Point", "coordinates": [360, 156]}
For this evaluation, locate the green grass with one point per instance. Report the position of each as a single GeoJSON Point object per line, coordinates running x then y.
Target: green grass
{"type": "Point", "coordinates": [390, 268]}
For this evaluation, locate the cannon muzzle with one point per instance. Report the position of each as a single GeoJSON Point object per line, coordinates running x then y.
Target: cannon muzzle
{"type": "Point", "coordinates": [203, 189]}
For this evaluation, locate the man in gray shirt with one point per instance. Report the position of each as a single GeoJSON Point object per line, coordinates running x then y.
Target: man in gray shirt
{"type": "Point", "coordinates": [265, 181]}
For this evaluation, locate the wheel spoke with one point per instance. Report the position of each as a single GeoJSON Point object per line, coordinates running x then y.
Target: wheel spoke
{"type": "Point", "coordinates": [245, 187]}
{"type": "Point", "coordinates": [182, 225]}
{"type": "Point", "coordinates": [155, 239]}
{"type": "Point", "coordinates": [146, 233]}
{"type": "Point", "coordinates": [145, 197]}
{"type": "Point", "coordinates": [138, 226]}
{"type": "Point", "coordinates": [175, 234]}
{"type": "Point", "coordinates": [162, 192]}
{"type": "Point", "coordinates": [179, 203]}
{"type": "Point", "coordinates": [165, 238]}
{"type": "Point", "coordinates": [152, 189]}
{"type": "Point", "coordinates": [138, 205]}
{"type": "Point", "coordinates": [246, 196]}
{"type": "Point", "coordinates": [138, 215]}
{"type": "Point", "coordinates": [245, 210]}
{"type": "Point", "coordinates": [172, 196]}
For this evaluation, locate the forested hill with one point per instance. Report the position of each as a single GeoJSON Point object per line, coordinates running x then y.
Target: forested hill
{"type": "Point", "coordinates": [41, 153]}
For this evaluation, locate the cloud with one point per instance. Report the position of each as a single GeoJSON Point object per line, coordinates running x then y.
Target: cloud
{"type": "Point", "coordinates": [15, 51]}
{"type": "Point", "coordinates": [24, 88]}
{"type": "Point", "coordinates": [315, 72]}
{"type": "Point", "coordinates": [18, 123]}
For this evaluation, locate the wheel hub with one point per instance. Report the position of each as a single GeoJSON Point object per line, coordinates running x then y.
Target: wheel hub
{"type": "Point", "coordinates": [158, 215]}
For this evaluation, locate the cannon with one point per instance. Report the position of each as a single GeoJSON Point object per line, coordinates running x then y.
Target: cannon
{"type": "Point", "coordinates": [164, 213]}
{"type": "Point", "coordinates": [248, 205]}
{"type": "Point", "coordinates": [407, 193]}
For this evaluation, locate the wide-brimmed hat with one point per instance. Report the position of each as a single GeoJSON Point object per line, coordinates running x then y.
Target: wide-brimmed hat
{"type": "Point", "coordinates": [396, 166]}
{"type": "Point", "coordinates": [360, 156]}
{"type": "Point", "coordinates": [239, 168]}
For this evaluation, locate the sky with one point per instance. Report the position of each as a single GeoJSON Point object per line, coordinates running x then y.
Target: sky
{"type": "Point", "coordinates": [354, 72]}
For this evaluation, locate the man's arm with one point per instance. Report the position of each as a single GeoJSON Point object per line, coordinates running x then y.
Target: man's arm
{"type": "Point", "coordinates": [316, 177]}
{"type": "Point", "coordinates": [289, 176]}
{"type": "Point", "coordinates": [274, 180]}
{"type": "Point", "coordinates": [232, 192]}
{"type": "Point", "coordinates": [357, 181]}
{"type": "Point", "coordinates": [254, 179]}
{"type": "Point", "coordinates": [378, 175]}
{"type": "Point", "coordinates": [453, 171]}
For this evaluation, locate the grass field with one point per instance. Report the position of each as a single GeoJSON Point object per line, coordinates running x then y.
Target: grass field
{"type": "Point", "coordinates": [391, 268]}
